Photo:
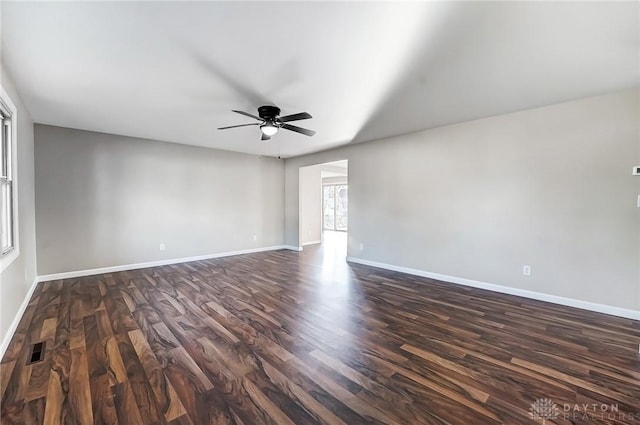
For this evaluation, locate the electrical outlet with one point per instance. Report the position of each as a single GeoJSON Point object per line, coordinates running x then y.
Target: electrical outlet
{"type": "Point", "coordinates": [526, 270]}
{"type": "Point", "coordinates": [161, 247]}
{"type": "Point", "coordinates": [255, 237]}
{"type": "Point", "coordinates": [361, 247]}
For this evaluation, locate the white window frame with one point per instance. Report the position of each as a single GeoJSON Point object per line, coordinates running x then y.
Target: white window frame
{"type": "Point", "coordinates": [9, 109]}
{"type": "Point", "coordinates": [335, 216]}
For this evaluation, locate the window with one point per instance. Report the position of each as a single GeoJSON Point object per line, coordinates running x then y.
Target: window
{"type": "Point", "coordinates": [8, 225]}
{"type": "Point", "coordinates": [6, 185]}
{"type": "Point", "coordinates": [334, 210]}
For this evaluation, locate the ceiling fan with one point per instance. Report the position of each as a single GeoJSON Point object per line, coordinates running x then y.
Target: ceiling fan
{"type": "Point", "coordinates": [271, 121]}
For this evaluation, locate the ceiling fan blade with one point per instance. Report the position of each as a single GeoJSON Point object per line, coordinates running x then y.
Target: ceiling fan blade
{"type": "Point", "coordinates": [241, 125]}
{"type": "Point", "coordinates": [295, 117]}
{"type": "Point", "coordinates": [298, 129]}
{"type": "Point", "coordinates": [265, 137]}
{"type": "Point", "coordinates": [247, 114]}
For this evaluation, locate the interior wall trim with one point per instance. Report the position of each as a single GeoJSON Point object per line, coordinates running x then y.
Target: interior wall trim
{"type": "Point", "coordinates": [292, 248]}
{"type": "Point", "coordinates": [111, 269]}
{"type": "Point", "coordinates": [311, 243]}
{"type": "Point", "coordinates": [16, 320]}
{"type": "Point", "coordinates": [571, 302]}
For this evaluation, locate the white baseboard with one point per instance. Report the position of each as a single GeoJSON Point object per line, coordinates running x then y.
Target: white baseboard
{"type": "Point", "coordinates": [16, 320]}
{"type": "Point", "coordinates": [571, 302]}
{"type": "Point", "coordinates": [311, 243]}
{"type": "Point", "coordinates": [293, 248]}
{"type": "Point", "coordinates": [112, 269]}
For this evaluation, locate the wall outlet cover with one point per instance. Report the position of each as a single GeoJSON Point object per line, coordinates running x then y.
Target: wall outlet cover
{"type": "Point", "coordinates": [636, 170]}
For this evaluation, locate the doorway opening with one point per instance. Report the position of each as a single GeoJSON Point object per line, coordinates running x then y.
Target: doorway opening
{"type": "Point", "coordinates": [324, 207]}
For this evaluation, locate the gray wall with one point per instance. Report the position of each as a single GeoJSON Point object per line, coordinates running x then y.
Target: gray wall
{"type": "Point", "coordinates": [550, 187]}
{"type": "Point", "coordinates": [104, 200]}
{"type": "Point", "coordinates": [16, 279]}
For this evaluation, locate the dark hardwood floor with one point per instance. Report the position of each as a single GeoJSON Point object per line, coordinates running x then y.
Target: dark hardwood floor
{"type": "Point", "coordinates": [303, 338]}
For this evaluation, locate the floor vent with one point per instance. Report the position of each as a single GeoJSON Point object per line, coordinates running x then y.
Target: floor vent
{"type": "Point", "coordinates": [37, 353]}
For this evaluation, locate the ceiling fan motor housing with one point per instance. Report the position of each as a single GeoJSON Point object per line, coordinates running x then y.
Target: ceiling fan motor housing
{"type": "Point", "coordinates": [268, 112]}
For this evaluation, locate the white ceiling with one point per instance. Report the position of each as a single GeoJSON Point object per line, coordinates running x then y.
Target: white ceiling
{"type": "Point", "coordinates": [173, 70]}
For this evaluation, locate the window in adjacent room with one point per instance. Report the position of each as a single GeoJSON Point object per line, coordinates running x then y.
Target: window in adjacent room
{"type": "Point", "coordinates": [7, 182]}
{"type": "Point", "coordinates": [334, 207]}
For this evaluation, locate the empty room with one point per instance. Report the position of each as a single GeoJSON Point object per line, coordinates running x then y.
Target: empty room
{"type": "Point", "coordinates": [306, 212]}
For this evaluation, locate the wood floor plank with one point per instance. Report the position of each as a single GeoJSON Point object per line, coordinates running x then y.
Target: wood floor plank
{"type": "Point", "coordinates": [6, 369]}
{"type": "Point", "coordinates": [55, 400]}
{"type": "Point", "coordinates": [166, 396]}
{"type": "Point", "coordinates": [321, 413]}
{"type": "Point", "coordinates": [126, 406]}
{"type": "Point", "coordinates": [371, 413]}
{"type": "Point", "coordinates": [80, 387]}
{"type": "Point", "coordinates": [102, 401]}
{"type": "Point", "coordinates": [136, 383]}
{"type": "Point", "coordinates": [196, 376]}
{"type": "Point", "coordinates": [33, 412]}
{"type": "Point", "coordinates": [264, 404]}
{"type": "Point", "coordinates": [39, 379]}
{"type": "Point", "coordinates": [283, 337]}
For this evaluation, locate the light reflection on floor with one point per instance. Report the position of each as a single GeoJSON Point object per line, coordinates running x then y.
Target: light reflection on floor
{"type": "Point", "coordinates": [333, 272]}
{"type": "Point", "coordinates": [335, 288]}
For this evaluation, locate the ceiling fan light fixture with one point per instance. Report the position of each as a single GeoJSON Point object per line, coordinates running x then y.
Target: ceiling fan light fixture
{"type": "Point", "coordinates": [269, 129]}
{"type": "Point", "coordinates": [271, 122]}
